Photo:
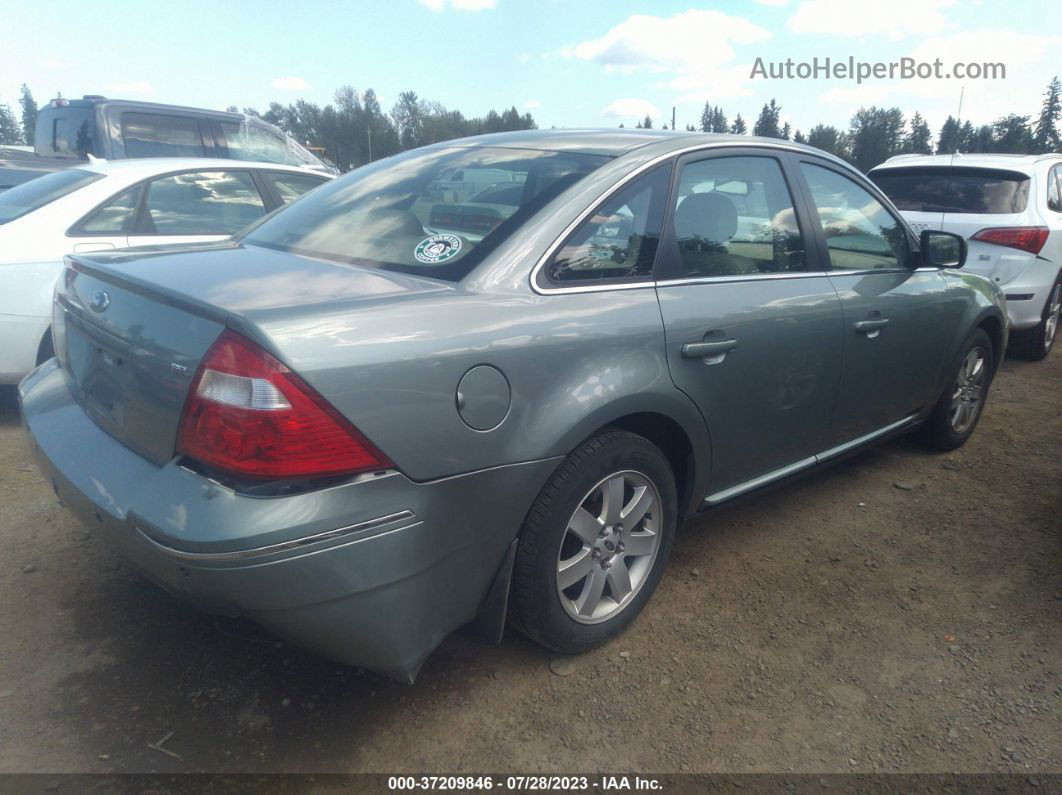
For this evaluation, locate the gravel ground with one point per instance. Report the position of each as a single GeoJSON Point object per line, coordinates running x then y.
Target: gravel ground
{"type": "Point", "coordinates": [898, 612]}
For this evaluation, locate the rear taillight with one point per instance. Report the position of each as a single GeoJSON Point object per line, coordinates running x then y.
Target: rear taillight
{"type": "Point", "coordinates": [248, 414]}
{"type": "Point", "coordinates": [1026, 238]}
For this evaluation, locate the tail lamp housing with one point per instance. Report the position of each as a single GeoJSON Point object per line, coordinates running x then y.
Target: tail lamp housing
{"type": "Point", "coordinates": [248, 414]}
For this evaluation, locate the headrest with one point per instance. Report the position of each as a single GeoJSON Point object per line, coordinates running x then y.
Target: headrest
{"type": "Point", "coordinates": [709, 216]}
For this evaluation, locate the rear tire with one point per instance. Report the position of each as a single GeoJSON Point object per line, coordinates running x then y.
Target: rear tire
{"type": "Point", "coordinates": [595, 543]}
{"type": "Point", "coordinates": [1035, 343]}
{"type": "Point", "coordinates": [46, 350]}
{"type": "Point", "coordinates": [959, 408]}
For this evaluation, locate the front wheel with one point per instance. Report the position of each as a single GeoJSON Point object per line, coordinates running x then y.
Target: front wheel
{"type": "Point", "coordinates": [956, 414]}
{"type": "Point", "coordinates": [1035, 343]}
{"type": "Point", "coordinates": [595, 543]}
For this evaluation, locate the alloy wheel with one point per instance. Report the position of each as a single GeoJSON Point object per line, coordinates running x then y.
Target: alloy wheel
{"type": "Point", "coordinates": [609, 547]}
{"type": "Point", "coordinates": [969, 390]}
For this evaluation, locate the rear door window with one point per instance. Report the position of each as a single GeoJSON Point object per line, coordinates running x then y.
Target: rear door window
{"type": "Point", "coordinates": [161, 135]}
{"type": "Point", "coordinates": [290, 186]}
{"type": "Point", "coordinates": [954, 189]}
{"type": "Point", "coordinates": [201, 203]}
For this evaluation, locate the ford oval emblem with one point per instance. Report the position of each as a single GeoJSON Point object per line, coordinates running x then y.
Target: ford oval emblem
{"type": "Point", "coordinates": [99, 300]}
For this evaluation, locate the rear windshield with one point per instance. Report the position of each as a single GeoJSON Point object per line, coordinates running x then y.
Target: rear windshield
{"type": "Point", "coordinates": [36, 193]}
{"type": "Point", "coordinates": [429, 212]}
{"type": "Point", "coordinates": [64, 132]}
{"type": "Point", "coordinates": [954, 189]}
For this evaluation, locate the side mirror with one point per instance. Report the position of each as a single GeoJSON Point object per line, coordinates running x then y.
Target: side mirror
{"type": "Point", "coordinates": [942, 249]}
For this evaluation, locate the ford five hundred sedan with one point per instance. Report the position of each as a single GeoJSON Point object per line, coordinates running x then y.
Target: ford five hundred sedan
{"type": "Point", "coordinates": [405, 404]}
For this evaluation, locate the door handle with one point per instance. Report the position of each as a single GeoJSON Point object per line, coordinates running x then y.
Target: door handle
{"type": "Point", "coordinates": [704, 350]}
{"type": "Point", "coordinates": [870, 327]}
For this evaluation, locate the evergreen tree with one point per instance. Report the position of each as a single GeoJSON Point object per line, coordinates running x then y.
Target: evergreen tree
{"type": "Point", "coordinates": [920, 139]}
{"type": "Point", "coordinates": [767, 124]}
{"type": "Point", "coordinates": [1046, 137]}
{"type": "Point", "coordinates": [799, 138]}
{"type": "Point", "coordinates": [10, 133]}
{"type": "Point", "coordinates": [647, 123]}
{"type": "Point", "coordinates": [981, 140]}
{"type": "Point", "coordinates": [29, 115]}
{"type": "Point", "coordinates": [1011, 134]}
{"type": "Point", "coordinates": [949, 140]}
{"type": "Point", "coordinates": [826, 138]}
{"type": "Point", "coordinates": [967, 137]}
{"type": "Point", "coordinates": [739, 127]}
{"type": "Point", "coordinates": [876, 134]}
{"type": "Point", "coordinates": [787, 130]}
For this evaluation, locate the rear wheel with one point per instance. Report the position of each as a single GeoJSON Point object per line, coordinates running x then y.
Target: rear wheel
{"type": "Point", "coordinates": [1035, 343]}
{"type": "Point", "coordinates": [956, 414]}
{"type": "Point", "coordinates": [595, 543]}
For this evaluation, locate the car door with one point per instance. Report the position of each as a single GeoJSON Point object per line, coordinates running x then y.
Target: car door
{"type": "Point", "coordinates": [752, 326]}
{"type": "Point", "coordinates": [893, 308]}
{"type": "Point", "coordinates": [196, 206]}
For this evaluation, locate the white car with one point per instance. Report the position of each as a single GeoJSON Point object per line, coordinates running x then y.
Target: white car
{"type": "Point", "coordinates": [1009, 207]}
{"type": "Point", "coordinates": [99, 206]}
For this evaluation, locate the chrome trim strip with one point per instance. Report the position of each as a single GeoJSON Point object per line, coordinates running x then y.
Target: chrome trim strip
{"type": "Point", "coordinates": [703, 146]}
{"type": "Point", "coordinates": [861, 440]}
{"type": "Point", "coordinates": [283, 546]}
{"type": "Point", "coordinates": [740, 277]}
{"type": "Point", "coordinates": [778, 474]}
{"type": "Point", "coordinates": [762, 480]}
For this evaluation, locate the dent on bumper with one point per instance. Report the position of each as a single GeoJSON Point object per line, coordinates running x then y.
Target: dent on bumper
{"type": "Point", "coordinates": [375, 572]}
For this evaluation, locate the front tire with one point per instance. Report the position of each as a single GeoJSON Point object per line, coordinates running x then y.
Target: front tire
{"type": "Point", "coordinates": [957, 412]}
{"type": "Point", "coordinates": [595, 543]}
{"type": "Point", "coordinates": [1035, 343]}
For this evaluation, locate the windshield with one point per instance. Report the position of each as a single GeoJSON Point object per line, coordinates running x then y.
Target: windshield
{"type": "Point", "coordinates": [954, 189]}
{"type": "Point", "coordinates": [36, 193]}
{"type": "Point", "coordinates": [258, 140]}
{"type": "Point", "coordinates": [422, 212]}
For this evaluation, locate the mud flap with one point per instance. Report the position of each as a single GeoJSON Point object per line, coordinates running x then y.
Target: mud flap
{"type": "Point", "coordinates": [489, 623]}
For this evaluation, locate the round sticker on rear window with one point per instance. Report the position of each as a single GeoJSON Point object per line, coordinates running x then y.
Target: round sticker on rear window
{"type": "Point", "coordinates": [437, 248]}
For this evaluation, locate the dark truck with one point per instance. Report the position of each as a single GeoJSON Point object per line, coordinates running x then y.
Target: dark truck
{"type": "Point", "coordinates": [72, 130]}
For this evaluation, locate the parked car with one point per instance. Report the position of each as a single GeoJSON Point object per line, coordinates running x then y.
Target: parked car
{"type": "Point", "coordinates": [363, 432]}
{"type": "Point", "coordinates": [1009, 207]}
{"type": "Point", "coordinates": [70, 130]}
{"type": "Point", "coordinates": [101, 206]}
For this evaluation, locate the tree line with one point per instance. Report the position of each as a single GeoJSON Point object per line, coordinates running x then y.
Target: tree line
{"type": "Point", "coordinates": [875, 134]}
{"type": "Point", "coordinates": [354, 129]}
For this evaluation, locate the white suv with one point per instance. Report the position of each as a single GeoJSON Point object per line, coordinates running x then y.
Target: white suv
{"type": "Point", "coordinates": [1009, 207]}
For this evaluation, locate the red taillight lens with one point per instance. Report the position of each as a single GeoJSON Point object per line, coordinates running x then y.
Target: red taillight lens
{"type": "Point", "coordinates": [1027, 238]}
{"type": "Point", "coordinates": [249, 414]}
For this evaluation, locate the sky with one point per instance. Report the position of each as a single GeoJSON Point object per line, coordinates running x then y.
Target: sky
{"type": "Point", "coordinates": [571, 63]}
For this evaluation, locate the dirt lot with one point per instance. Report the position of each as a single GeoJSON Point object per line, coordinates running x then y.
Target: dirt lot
{"type": "Point", "coordinates": [839, 623]}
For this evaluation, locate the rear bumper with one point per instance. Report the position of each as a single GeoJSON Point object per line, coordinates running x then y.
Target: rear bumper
{"type": "Point", "coordinates": [373, 573]}
{"type": "Point", "coordinates": [1027, 295]}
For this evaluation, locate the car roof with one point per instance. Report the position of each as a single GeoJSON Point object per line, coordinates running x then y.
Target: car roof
{"type": "Point", "coordinates": [146, 166]}
{"type": "Point", "coordinates": [615, 142]}
{"type": "Point", "coordinates": [960, 160]}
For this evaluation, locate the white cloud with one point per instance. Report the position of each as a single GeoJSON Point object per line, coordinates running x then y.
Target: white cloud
{"type": "Point", "coordinates": [458, 5]}
{"type": "Point", "coordinates": [688, 41]}
{"type": "Point", "coordinates": [693, 52]}
{"type": "Point", "coordinates": [631, 108]}
{"type": "Point", "coordinates": [290, 84]}
{"type": "Point", "coordinates": [131, 87]}
{"type": "Point", "coordinates": [1028, 59]}
{"type": "Point", "coordinates": [895, 19]}
{"type": "Point", "coordinates": [773, 2]}
{"type": "Point", "coordinates": [531, 104]}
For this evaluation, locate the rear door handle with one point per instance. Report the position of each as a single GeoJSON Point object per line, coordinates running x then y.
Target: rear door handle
{"type": "Point", "coordinates": [705, 350]}
{"type": "Point", "coordinates": [870, 327]}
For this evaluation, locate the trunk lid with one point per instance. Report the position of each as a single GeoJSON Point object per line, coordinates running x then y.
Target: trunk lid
{"type": "Point", "coordinates": [131, 328]}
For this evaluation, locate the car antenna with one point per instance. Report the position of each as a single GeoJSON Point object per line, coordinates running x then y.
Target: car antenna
{"type": "Point", "coordinates": [955, 149]}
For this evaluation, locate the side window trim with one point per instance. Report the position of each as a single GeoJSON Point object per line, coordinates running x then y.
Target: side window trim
{"type": "Point", "coordinates": [540, 281]}
{"type": "Point", "coordinates": [669, 245]}
{"type": "Point", "coordinates": [818, 233]}
{"type": "Point", "coordinates": [1055, 178]}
